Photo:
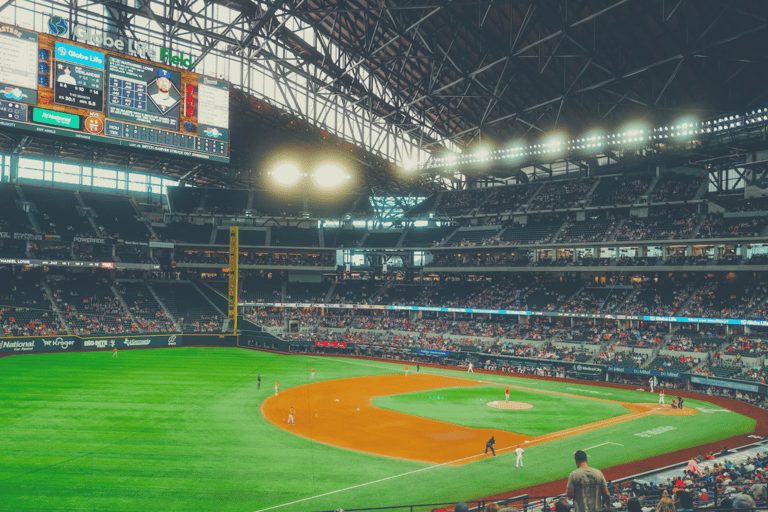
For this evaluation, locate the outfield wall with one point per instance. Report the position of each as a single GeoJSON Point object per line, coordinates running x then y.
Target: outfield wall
{"type": "Point", "coordinates": [72, 343]}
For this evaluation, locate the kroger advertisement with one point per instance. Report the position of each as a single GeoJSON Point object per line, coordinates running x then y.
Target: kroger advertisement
{"type": "Point", "coordinates": [31, 344]}
{"type": "Point", "coordinates": [99, 88]}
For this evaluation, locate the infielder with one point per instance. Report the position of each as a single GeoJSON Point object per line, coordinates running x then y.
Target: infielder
{"type": "Point", "coordinates": [506, 394]}
{"type": "Point", "coordinates": [277, 387]}
{"type": "Point", "coordinates": [290, 416]}
{"type": "Point", "coordinates": [661, 397]}
{"type": "Point", "coordinates": [519, 451]}
{"type": "Point", "coordinates": [406, 370]}
{"type": "Point", "coordinates": [312, 375]}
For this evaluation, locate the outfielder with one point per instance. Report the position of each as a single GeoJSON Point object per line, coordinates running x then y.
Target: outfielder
{"type": "Point", "coordinates": [469, 368]}
{"type": "Point", "coordinates": [519, 451]}
{"type": "Point", "coordinates": [312, 375]}
{"type": "Point", "coordinates": [406, 370]}
{"type": "Point", "coordinates": [650, 381]}
{"type": "Point", "coordinates": [506, 394]}
{"type": "Point", "coordinates": [661, 397]}
{"type": "Point", "coordinates": [277, 387]}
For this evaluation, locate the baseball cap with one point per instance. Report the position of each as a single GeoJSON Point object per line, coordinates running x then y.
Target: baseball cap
{"type": "Point", "coordinates": [163, 73]}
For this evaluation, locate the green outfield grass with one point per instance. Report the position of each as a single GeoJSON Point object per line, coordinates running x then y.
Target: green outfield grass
{"type": "Point", "coordinates": [180, 430]}
{"type": "Point", "coordinates": [467, 406]}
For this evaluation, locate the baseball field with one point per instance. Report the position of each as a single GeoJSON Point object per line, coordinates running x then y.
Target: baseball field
{"type": "Point", "coordinates": [187, 429]}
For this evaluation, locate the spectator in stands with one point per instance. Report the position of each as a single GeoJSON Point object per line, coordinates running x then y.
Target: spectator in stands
{"type": "Point", "coordinates": [665, 503]}
{"type": "Point", "coordinates": [587, 486]}
{"type": "Point", "coordinates": [561, 505]}
{"type": "Point", "coordinates": [743, 502]}
{"type": "Point", "coordinates": [683, 501]}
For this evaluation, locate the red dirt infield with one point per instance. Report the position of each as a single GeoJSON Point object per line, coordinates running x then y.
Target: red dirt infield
{"type": "Point", "coordinates": [325, 411]}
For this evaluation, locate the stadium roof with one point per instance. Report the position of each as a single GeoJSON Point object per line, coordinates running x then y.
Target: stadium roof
{"type": "Point", "coordinates": [500, 72]}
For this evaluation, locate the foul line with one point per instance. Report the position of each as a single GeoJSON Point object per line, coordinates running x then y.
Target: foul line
{"type": "Point", "coordinates": [602, 444]}
{"type": "Point", "coordinates": [370, 483]}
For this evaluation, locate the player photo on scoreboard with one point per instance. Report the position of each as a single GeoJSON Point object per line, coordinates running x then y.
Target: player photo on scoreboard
{"type": "Point", "coordinates": [142, 93]}
{"type": "Point", "coordinates": [163, 93]}
{"type": "Point", "coordinates": [78, 86]}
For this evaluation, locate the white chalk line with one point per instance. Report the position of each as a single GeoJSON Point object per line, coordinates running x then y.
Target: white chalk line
{"type": "Point", "coordinates": [371, 483]}
{"type": "Point", "coordinates": [602, 444]}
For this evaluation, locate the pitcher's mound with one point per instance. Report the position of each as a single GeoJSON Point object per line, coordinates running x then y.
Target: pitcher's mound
{"type": "Point", "coordinates": [514, 406]}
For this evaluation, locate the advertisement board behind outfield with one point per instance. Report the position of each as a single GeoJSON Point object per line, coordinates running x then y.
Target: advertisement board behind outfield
{"type": "Point", "coordinates": [39, 344]}
{"type": "Point", "coordinates": [151, 340]}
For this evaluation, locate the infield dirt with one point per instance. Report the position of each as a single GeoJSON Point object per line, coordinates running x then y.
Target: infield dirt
{"type": "Point", "coordinates": [340, 413]}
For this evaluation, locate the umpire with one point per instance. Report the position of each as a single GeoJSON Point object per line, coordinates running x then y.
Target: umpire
{"type": "Point", "coordinates": [490, 444]}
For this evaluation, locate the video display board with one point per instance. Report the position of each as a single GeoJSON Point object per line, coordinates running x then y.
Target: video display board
{"type": "Point", "coordinates": [60, 87]}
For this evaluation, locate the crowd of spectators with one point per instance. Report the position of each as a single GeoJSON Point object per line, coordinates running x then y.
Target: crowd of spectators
{"type": "Point", "coordinates": [672, 223]}
{"type": "Point", "coordinates": [257, 258]}
{"type": "Point", "coordinates": [563, 194]}
{"type": "Point", "coordinates": [716, 226]}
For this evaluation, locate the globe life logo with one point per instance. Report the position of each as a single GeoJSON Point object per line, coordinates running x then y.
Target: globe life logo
{"type": "Point", "coordinates": [130, 46]}
{"type": "Point", "coordinates": [57, 26]}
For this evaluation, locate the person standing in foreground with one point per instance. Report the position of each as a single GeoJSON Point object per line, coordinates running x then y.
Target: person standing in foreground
{"type": "Point", "coordinates": [587, 486]}
{"type": "Point", "coordinates": [519, 451]}
{"type": "Point", "coordinates": [489, 444]}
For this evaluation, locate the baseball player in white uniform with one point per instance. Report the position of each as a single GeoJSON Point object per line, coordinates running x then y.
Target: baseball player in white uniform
{"type": "Point", "coordinates": [661, 397]}
{"type": "Point", "coordinates": [290, 417]}
{"type": "Point", "coordinates": [650, 381]}
{"type": "Point", "coordinates": [469, 368]}
{"type": "Point", "coordinates": [519, 451]}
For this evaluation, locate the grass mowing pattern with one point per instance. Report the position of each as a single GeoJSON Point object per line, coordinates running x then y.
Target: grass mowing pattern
{"type": "Point", "coordinates": [179, 429]}
{"type": "Point", "coordinates": [467, 407]}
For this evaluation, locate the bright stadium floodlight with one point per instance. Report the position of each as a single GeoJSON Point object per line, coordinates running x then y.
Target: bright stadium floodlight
{"type": "Point", "coordinates": [286, 174]}
{"type": "Point", "coordinates": [554, 143]}
{"type": "Point", "coordinates": [410, 162]}
{"type": "Point", "coordinates": [330, 175]}
{"type": "Point", "coordinates": [482, 154]}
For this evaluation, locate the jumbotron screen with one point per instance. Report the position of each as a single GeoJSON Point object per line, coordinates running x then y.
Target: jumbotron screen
{"type": "Point", "coordinates": [59, 87]}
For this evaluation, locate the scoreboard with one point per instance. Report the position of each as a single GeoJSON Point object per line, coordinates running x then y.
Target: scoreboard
{"type": "Point", "coordinates": [54, 86]}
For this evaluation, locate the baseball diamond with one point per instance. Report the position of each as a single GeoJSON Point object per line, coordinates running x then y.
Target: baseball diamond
{"type": "Point", "coordinates": [201, 435]}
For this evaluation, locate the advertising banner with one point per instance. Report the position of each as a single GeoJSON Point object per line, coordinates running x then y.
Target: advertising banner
{"type": "Point", "coordinates": [340, 344]}
{"type": "Point", "coordinates": [708, 381]}
{"type": "Point", "coordinates": [148, 340]}
{"type": "Point", "coordinates": [640, 371]}
{"type": "Point", "coordinates": [431, 352]}
{"type": "Point", "coordinates": [39, 344]}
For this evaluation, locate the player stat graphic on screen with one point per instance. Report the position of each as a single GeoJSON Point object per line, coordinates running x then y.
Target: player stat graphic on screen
{"type": "Point", "coordinates": [63, 88]}
{"type": "Point", "coordinates": [143, 93]}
